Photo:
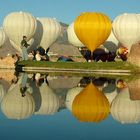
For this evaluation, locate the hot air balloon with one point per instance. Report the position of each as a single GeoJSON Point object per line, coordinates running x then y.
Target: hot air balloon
{"type": "Point", "coordinates": [71, 94]}
{"type": "Point", "coordinates": [17, 25]}
{"type": "Point", "coordinates": [31, 41]}
{"type": "Point", "coordinates": [51, 30]}
{"type": "Point", "coordinates": [92, 29]}
{"type": "Point", "coordinates": [125, 110]}
{"type": "Point", "coordinates": [49, 101]}
{"type": "Point", "coordinates": [90, 105]}
{"type": "Point", "coordinates": [72, 38]}
{"type": "Point", "coordinates": [14, 106]}
{"type": "Point", "coordinates": [126, 29]}
{"type": "Point", "coordinates": [2, 92]}
{"type": "Point", "coordinates": [3, 37]}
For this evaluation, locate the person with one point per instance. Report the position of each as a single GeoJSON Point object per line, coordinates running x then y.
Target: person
{"type": "Point", "coordinates": [24, 46]}
{"type": "Point", "coordinates": [122, 53]}
{"type": "Point", "coordinates": [38, 56]}
{"type": "Point", "coordinates": [64, 59]}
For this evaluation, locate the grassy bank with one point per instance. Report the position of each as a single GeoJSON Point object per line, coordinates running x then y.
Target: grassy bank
{"type": "Point", "coordinates": [135, 71]}
{"type": "Point", "coordinates": [82, 65]}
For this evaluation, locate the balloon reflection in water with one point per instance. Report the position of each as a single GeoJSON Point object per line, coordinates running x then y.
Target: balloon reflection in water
{"type": "Point", "coordinates": [90, 105]}
{"type": "Point", "coordinates": [49, 101]}
{"type": "Point", "coordinates": [71, 94]}
{"type": "Point", "coordinates": [125, 110]}
{"type": "Point", "coordinates": [14, 106]}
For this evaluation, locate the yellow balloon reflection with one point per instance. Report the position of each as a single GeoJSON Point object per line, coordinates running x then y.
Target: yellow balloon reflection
{"type": "Point", "coordinates": [92, 29]}
{"type": "Point", "coordinates": [90, 105]}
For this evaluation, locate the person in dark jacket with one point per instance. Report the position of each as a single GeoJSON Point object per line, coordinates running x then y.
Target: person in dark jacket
{"type": "Point", "coordinates": [24, 46]}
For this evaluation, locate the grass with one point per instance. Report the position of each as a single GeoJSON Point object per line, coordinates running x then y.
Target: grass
{"type": "Point", "coordinates": [81, 65]}
{"type": "Point", "coordinates": [90, 66]}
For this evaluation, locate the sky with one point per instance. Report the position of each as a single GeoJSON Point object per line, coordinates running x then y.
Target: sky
{"type": "Point", "coordinates": [67, 10]}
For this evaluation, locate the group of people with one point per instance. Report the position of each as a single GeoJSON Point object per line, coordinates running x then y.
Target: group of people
{"type": "Point", "coordinates": [99, 54]}
{"type": "Point", "coordinates": [38, 54]}
{"type": "Point", "coordinates": [104, 55]}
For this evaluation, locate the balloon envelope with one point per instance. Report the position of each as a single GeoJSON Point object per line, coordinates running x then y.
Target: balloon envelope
{"type": "Point", "coordinates": [49, 101]}
{"type": "Point", "coordinates": [72, 38]}
{"type": "Point", "coordinates": [125, 110]}
{"type": "Point", "coordinates": [17, 25]}
{"type": "Point", "coordinates": [90, 105]}
{"type": "Point", "coordinates": [71, 94]}
{"type": "Point", "coordinates": [126, 29]}
{"type": "Point", "coordinates": [14, 106]}
{"type": "Point", "coordinates": [3, 37]}
{"type": "Point", "coordinates": [92, 29]}
{"type": "Point", "coordinates": [51, 30]}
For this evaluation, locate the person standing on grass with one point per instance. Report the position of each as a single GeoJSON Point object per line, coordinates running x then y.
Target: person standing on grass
{"type": "Point", "coordinates": [24, 46]}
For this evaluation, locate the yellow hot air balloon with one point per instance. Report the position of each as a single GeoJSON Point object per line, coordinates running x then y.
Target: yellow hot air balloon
{"type": "Point", "coordinates": [92, 29]}
{"type": "Point", "coordinates": [90, 105]}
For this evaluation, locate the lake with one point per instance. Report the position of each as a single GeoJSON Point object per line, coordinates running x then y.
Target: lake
{"type": "Point", "coordinates": [53, 106]}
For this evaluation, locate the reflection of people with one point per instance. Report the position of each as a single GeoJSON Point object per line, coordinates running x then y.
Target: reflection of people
{"type": "Point", "coordinates": [23, 90]}
{"type": "Point", "coordinates": [23, 87]}
{"type": "Point", "coordinates": [121, 84]}
{"type": "Point", "coordinates": [39, 79]}
{"type": "Point", "coordinates": [24, 46]}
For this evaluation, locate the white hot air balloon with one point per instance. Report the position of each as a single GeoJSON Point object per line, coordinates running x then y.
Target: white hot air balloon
{"type": "Point", "coordinates": [17, 25]}
{"type": "Point", "coordinates": [51, 30]}
{"type": "Point", "coordinates": [2, 92]}
{"type": "Point", "coordinates": [31, 41]}
{"type": "Point", "coordinates": [126, 29]}
{"type": "Point", "coordinates": [125, 110]}
{"type": "Point", "coordinates": [14, 106]}
{"type": "Point", "coordinates": [72, 38]}
{"type": "Point", "coordinates": [49, 101]}
{"type": "Point", "coordinates": [71, 94]}
{"type": "Point", "coordinates": [3, 37]}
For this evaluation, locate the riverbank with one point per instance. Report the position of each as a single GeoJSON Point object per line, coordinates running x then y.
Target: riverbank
{"type": "Point", "coordinates": [80, 67]}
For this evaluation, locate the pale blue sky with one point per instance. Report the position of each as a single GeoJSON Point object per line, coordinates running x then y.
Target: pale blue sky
{"type": "Point", "coordinates": [67, 10]}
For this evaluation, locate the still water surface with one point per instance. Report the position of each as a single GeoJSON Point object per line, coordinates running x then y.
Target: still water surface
{"type": "Point", "coordinates": [37, 106]}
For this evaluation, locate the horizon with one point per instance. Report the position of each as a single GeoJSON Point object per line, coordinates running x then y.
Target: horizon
{"type": "Point", "coordinates": [66, 11]}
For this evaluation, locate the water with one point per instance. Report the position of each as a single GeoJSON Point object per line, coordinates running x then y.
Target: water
{"type": "Point", "coordinates": [68, 107]}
